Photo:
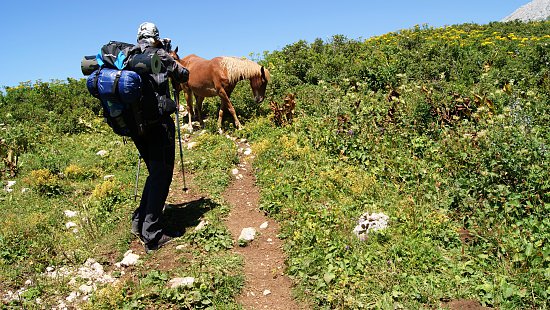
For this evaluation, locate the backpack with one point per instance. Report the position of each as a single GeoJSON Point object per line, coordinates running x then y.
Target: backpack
{"type": "Point", "coordinates": [114, 55]}
{"type": "Point", "coordinates": [119, 90]}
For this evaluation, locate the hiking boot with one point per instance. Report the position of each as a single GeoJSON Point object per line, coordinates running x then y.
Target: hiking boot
{"type": "Point", "coordinates": [155, 245]}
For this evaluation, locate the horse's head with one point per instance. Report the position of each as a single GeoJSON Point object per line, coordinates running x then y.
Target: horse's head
{"type": "Point", "coordinates": [259, 84]}
{"type": "Point", "coordinates": [174, 53]}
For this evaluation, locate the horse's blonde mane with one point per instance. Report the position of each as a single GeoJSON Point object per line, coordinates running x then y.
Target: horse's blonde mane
{"type": "Point", "coordinates": [238, 68]}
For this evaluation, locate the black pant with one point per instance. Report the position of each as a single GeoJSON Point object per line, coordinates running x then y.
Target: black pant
{"type": "Point", "coordinates": [157, 148]}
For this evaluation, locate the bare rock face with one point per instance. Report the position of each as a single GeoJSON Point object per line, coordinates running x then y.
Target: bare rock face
{"type": "Point", "coordinates": [535, 10]}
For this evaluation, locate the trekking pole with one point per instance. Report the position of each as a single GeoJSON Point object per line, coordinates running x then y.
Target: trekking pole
{"type": "Point", "coordinates": [137, 177]}
{"type": "Point", "coordinates": [177, 100]}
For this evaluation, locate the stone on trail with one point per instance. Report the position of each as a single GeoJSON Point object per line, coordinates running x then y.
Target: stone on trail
{"type": "Point", "coordinates": [247, 234]}
{"type": "Point", "coordinates": [264, 225]}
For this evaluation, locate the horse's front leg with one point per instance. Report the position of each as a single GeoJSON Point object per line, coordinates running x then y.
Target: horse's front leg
{"type": "Point", "coordinates": [189, 100]}
{"type": "Point", "coordinates": [227, 103]}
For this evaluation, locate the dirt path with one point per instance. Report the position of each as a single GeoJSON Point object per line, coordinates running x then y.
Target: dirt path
{"type": "Point", "coordinates": [266, 286]}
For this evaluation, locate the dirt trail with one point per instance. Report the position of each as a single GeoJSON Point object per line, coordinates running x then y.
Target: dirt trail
{"type": "Point", "coordinates": [266, 286]}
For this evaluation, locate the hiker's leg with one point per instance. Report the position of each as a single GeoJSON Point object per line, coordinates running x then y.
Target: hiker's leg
{"type": "Point", "coordinates": [161, 168]}
{"type": "Point", "coordinates": [139, 213]}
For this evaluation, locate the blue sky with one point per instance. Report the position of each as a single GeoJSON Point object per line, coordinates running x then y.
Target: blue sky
{"type": "Point", "coordinates": [46, 39]}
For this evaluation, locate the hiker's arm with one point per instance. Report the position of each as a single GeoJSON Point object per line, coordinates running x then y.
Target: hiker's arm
{"type": "Point", "coordinates": [175, 70]}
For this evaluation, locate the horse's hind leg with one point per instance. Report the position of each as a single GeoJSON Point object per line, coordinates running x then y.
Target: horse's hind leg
{"type": "Point", "coordinates": [189, 100]}
{"type": "Point", "coordinates": [198, 109]}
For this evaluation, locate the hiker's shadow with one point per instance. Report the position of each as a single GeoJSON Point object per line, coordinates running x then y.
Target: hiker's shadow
{"type": "Point", "coordinates": [178, 217]}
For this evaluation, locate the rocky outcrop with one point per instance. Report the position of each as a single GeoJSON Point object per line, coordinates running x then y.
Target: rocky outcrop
{"type": "Point", "coordinates": [535, 10]}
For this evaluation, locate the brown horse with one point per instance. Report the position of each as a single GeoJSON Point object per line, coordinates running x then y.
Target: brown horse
{"type": "Point", "coordinates": [218, 77]}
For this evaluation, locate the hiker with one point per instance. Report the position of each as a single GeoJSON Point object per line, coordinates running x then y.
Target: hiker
{"type": "Point", "coordinates": [157, 145]}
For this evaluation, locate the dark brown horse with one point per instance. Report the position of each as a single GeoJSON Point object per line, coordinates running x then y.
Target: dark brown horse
{"type": "Point", "coordinates": [218, 77]}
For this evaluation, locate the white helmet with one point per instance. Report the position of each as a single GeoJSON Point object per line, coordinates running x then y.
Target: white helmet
{"type": "Point", "coordinates": [147, 30]}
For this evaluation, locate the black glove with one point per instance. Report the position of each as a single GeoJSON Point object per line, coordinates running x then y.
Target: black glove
{"type": "Point", "coordinates": [183, 74]}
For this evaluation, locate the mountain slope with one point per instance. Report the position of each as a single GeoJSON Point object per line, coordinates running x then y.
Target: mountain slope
{"type": "Point", "coordinates": [532, 11]}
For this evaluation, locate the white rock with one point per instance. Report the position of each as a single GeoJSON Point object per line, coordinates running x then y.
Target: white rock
{"type": "Point", "coordinates": [370, 222]}
{"type": "Point", "coordinates": [187, 127]}
{"type": "Point", "coordinates": [239, 176]}
{"type": "Point", "coordinates": [70, 225]}
{"type": "Point", "coordinates": [61, 305]}
{"type": "Point", "coordinates": [129, 259]}
{"type": "Point", "coordinates": [247, 234]}
{"type": "Point", "coordinates": [201, 225]}
{"type": "Point", "coordinates": [267, 292]}
{"type": "Point", "coordinates": [69, 213]}
{"type": "Point", "coordinates": [243, 140]}
{"type": "Point", "coordinates": [25, 189]}
{"type": "Point", "coordinates": [181, 247]}
{"type": "Point", "coordinates": [109, 176]}
{"type": "Point", "coordinates": [102, 153]}
{"type": "Point", "coordinates": [269, 240]}
{"type": "Point", "coordinates": [86, 289]}
{"type": "Point", "coordinates": [177, 282]}
{"type": "Point", "coordinates": [9, 185]}
{"type": "Point", "coordinates": [235, 171]}
{"type": "Point", "coordinates": [72, 296]}
{"type": "Point", "coordinates": [247, 151]}
{"type": "Point", "coordinates": [264, 225]}
{"type": "Point", "coordinates": [191, 145]}
{"type": "Point", "coordinates": [28, 282]}
{"type": "Point", "coordinates": [49, 269]}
